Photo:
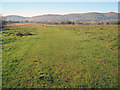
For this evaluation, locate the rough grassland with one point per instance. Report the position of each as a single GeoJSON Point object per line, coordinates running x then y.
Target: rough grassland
{"type": "Point", "coordinates": [60, 56]}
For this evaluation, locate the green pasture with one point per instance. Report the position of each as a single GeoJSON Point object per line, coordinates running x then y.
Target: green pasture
{"type": "Point", "coordinates": [60, 56]}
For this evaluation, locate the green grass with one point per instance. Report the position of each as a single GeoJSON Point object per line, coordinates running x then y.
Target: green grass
{"type": "Point", "coordinates": [60, 56]}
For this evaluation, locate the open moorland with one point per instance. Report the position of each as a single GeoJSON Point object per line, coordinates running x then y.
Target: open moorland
{"type": "Point", "coordinates": [35, 56]}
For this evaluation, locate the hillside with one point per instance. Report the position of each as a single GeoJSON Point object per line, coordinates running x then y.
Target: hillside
{"type": "Point", "coordinates": [93, 16]}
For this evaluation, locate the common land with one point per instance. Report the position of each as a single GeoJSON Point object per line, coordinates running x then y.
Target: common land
{"type": "Point", "coordinates": [35, 56]}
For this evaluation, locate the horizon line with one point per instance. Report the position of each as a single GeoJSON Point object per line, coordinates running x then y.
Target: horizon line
{"type": "Point", "coordinates": [57, 14]}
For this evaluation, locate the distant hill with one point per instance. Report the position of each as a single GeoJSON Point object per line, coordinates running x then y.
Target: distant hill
{"type": "Point", "coordinates": [93, 16]}
{"type": "Point", "coordinates": [16, 18]}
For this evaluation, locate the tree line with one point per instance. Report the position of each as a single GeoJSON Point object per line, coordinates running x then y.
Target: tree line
{"type": "Point", "coordinates": [65, 22]}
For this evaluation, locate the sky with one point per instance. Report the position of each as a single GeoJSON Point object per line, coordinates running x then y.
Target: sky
{"type": "Point", "coordinates": [29, 9]}
{"type": "Point", "coordinates": [60, 0]}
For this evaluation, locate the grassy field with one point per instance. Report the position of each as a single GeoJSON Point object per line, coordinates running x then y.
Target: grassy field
{"type": "Point", "coordinates": [60, 56]}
